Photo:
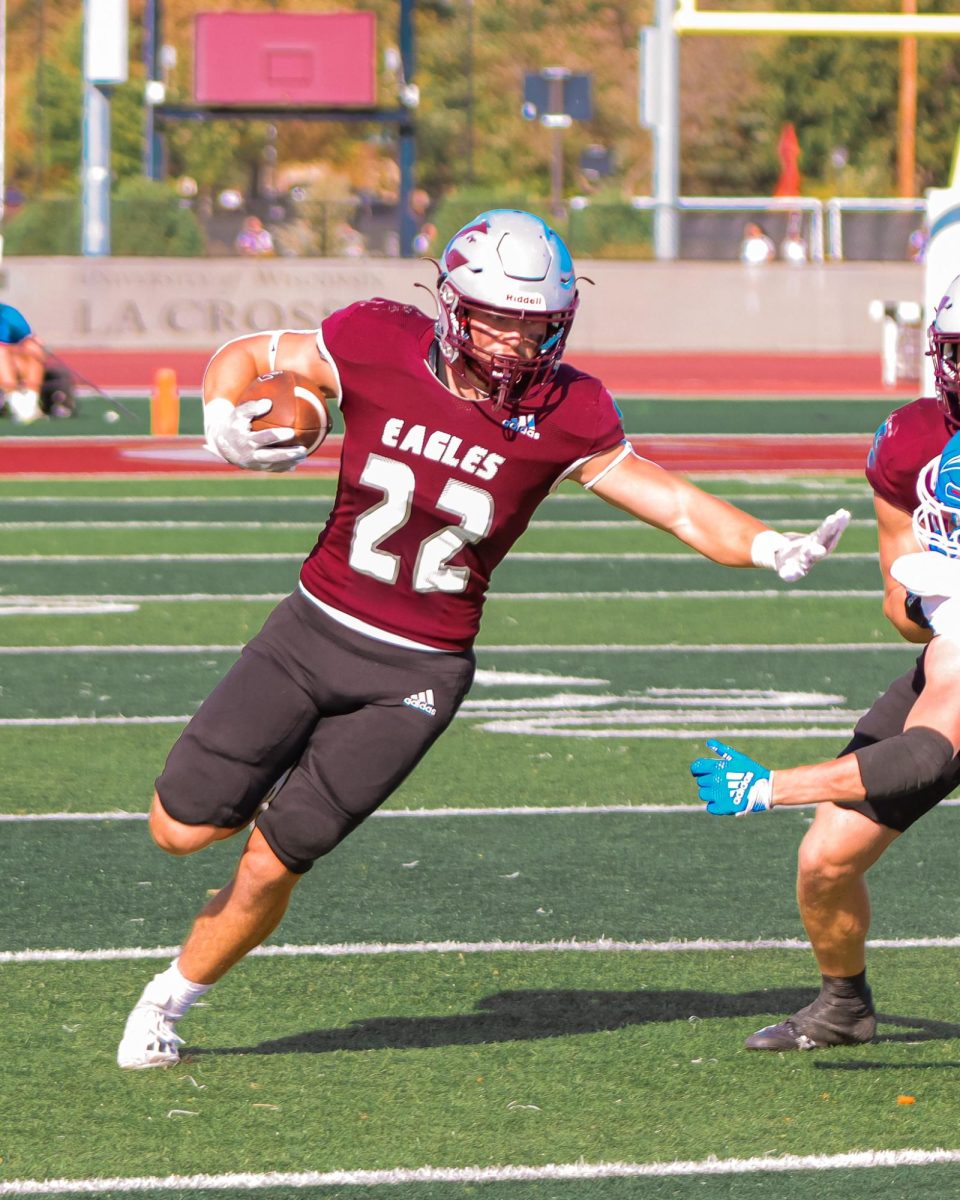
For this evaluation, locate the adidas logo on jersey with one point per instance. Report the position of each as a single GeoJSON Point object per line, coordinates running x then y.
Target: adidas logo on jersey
{"type": "Point", "coordinates": [423, 701]}
{"type": "Point", "coordinates": [525, 424]}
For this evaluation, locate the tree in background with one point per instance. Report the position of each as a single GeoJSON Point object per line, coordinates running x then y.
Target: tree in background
{"type": "Point", "coordinates": [583, 35]}
{"type": "Point", "coordinates": [47, 101]}
{"type": "Point", "coordinates": [842, 94]}
{"type": "Point", "coordinates": [736, 93]}
{"type": "Point", "coordinates": [729, 138]}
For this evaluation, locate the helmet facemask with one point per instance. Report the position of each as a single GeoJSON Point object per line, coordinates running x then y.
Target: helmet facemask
{"type": "Point", "coordinates": [936, 519]}
{"type": "Point", "coordinates": [943, 338]}
{"type": "Point", "coordinates": [510, 379]}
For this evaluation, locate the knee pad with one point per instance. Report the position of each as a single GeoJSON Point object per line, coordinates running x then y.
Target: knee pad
{"type": "Point", "coordinates": [898, 766]}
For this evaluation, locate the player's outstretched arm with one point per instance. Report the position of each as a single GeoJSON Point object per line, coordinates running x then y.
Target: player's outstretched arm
{"type": "Point", "coordinates": [731, 783]}
{"type": "Point", "coordinates": [718, 530]}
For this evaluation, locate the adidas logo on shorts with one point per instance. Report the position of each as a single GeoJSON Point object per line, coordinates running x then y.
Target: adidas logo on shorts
{"type": "Point", "coordinates": [423, 701]}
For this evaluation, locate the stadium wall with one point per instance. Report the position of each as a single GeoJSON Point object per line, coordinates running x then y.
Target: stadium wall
{"type": "Point", "coordinates": [634, 307]}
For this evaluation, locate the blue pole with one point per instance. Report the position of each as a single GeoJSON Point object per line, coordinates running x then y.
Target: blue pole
{"type": "Point", "coordinates": [151, 62]}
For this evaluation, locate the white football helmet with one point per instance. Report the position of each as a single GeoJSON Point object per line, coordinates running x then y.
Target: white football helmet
{"type": "Point", "coordinates": [936, 519]}
{"type": "Point", "coordinates": [943, 338]}
{"type": "Point", "coordinates": [505, 262]}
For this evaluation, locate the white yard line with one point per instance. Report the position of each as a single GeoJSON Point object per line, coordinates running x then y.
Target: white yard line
{"type": "Point", "coordinates": [517, 811]}
{"type": "Point", "coordinates": [783, 593]}
{"type": "Point", "coordinates": [69, 722]}
{"type": "Point", "coordinates": [54, 608]}
{"type": "Point", "coordinates": [554, 648]}
{"type": "Point", "coordinates": [602, 523]}
{"type": "Point", "coordinates": [696, 594]}
{"type": "Point", "coordinates": [560, 946]}
{"type": "Point", "coordinates": [297, 556]}
{"type": "Point", "coordinates": [518, 723]}
{"type": "Point", "coordinates": [553, 1172]}
{"type": "Point", "coordinates": [94, 557]}
{"type": "Point", "coordinates": [146, 648]}
{"type": "Point", "coordinates": [686, 648]}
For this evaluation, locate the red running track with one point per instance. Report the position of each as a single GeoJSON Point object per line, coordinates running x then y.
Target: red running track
{"type": "Point", "coordinates": [840, 453]}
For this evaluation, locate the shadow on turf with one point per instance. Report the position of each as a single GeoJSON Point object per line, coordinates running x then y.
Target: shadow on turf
{"type": "Point", "coordinates": [919, 1029]}
{"type": "Point", "coordinates": [528, 1015]}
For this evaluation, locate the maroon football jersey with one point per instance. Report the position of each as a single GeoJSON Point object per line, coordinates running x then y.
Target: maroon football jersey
{"type": "Point", "coordinates": [903, 445]}
{"type": "Point", "coordinates": [434, 490]}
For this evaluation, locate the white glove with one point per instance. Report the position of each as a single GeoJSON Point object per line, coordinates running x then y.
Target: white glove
{"type": "Point", "coordinates": [943, 613]}
{"type": "Point", "coordinates": [229, 436]}
{"type": "Point", "coordinates": [936, 580]}
{"type": "Point", "coordinates": [927, 573]}
{"type": "Point", "coordinates": [792, 555]}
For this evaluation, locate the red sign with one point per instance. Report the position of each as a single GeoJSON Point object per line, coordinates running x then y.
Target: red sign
{"type": "Point", "coordinates": [323, 60]}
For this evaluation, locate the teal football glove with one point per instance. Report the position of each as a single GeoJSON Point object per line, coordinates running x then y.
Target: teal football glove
{"type": "Point", "coordinates": [732, 783]}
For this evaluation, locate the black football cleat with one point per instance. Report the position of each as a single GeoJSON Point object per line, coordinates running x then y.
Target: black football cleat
{"type": "Point", "coordinates": [821, 1024]}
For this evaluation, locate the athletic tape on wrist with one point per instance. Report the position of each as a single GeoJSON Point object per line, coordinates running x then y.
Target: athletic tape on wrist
{"type": "Point", "coordinates": [763, 550]}
{"type": "Point", "coordinates": [216, 411]}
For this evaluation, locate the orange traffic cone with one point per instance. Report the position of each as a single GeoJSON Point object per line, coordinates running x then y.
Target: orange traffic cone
{"type": "Point", "coordinates": [165, 404]}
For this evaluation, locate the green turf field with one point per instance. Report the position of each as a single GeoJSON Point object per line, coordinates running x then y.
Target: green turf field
{"type": "Point", "coordinates": [530, 976]}
{"type": "Point", "coordinates": [130, 415]}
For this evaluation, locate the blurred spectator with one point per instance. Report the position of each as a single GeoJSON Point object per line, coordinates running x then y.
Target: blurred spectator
{"type": "Point", "coordinates": [424, 239]}
{"type": "Point", "coordinates": [419, 201]}
{"type": "Point", "coordinates": [917, 245]}
{"type": "Point", "coordinates": [793, 248]}
{"type": "Point", "coordinates": [13, 202]}
{"type": "Point", "coordinates": [253, 240]}
{"type": "Point", "coordinates": [350, 241]}
{"type": "Point", "coordinates": [757, 246]}
{"type": "Point", "coordinates": [21, 366]}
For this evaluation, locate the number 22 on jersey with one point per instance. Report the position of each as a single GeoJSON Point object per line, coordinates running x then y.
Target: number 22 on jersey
{"type": "Point", "coordinates": [471, 505]}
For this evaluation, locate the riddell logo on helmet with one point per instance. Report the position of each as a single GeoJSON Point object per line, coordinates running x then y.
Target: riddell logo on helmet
{"type": "Point", "coordinates": [529, 300]}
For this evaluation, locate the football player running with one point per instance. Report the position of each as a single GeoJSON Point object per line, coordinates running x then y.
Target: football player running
{"type": "Point", "coordinates": [903, 757]}
{"type": "Point", "coordinates": [455, 430]}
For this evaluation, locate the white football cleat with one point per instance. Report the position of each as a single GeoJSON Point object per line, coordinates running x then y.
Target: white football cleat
{"type": "Point", "coordinates": [149, 1039]}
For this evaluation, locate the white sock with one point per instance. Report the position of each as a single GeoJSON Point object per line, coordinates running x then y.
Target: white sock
{"type": "Point", "coordinates": [173, 992]}
{"type": "Point", "coordinates": [24, 405]}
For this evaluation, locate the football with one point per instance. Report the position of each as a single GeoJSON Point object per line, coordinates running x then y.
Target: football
{"type": "Point", "coordinates": [298, 404]}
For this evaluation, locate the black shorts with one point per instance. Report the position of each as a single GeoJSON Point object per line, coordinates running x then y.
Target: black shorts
{"type": "Point", "coordinates": [349, 717]}
{"type": "Point", "coordinates": [885, 720]}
